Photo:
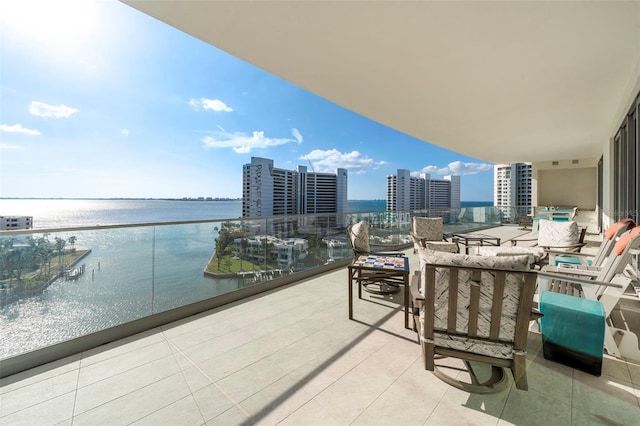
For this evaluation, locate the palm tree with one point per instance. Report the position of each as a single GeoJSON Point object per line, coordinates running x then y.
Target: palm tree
{"type": "Point", "coordinates": [37, 262]}
{"type": "Point", "coordinates": [244, 243]}
{"type": "Point", "coordinates": [6, 249]}
{"type": "Point", "coordinates": [218, 252]}
{"type": "Point", "coordinates": [60, 243]}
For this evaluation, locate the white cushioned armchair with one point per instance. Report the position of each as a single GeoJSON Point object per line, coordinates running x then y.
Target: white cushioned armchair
{"type": "Point", "coordinates": [551, 236]}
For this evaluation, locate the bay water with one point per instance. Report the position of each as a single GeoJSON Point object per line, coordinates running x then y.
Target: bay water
{"type": "Point", "coordinates": [130, 272]}
{"type": "Point", "coordinates": [66, 213]}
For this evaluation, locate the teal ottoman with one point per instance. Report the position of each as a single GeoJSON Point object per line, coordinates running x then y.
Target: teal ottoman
{"type": "Point", "coordinates": [572, 331]}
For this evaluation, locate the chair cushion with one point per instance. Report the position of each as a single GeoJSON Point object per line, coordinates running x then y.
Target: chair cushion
{"type": "Point", "coordinates": [558, 234]}
{"type": "Point", "coordinates": [360, 237]}
{"type": "Point", "coordinates": [502, 350]}
{"type": "Point", "coordinates": [534, 253]}
{"type": "Point", "coordinates": [441, 246]}
{"type": "Point", "coordinates": [505, 263]}
{"type": "Point", "coordinates": [429, 228]}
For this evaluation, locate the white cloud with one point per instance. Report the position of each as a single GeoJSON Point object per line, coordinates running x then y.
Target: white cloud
{"type": "Point", "coordinates": [458, 168]}
{"type": "Point", "coordinates": [243, 143]}
{"type": "Point", "coordinates": [125, 132]}
{"type": "Point", "coordinates": [328, 161]}
{"type": "Point", "coordinates": [296, 134]}
{"type": "Point", "coordinates": [213, 104]}
{"type": "Point", "coordinates": [17, 128]}
{"type": "Point", "coordinates": [7, 146]}
{"type": "Point", "coordinates": [381, 163]}
{"type": "Point", "coordinates": [41, 109]}
{"type": "Point", "coordinates": [216, 105]}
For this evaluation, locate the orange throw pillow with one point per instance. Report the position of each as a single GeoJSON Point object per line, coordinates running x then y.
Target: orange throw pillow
{"type": "Point", "coordinates": [624, 241]}
{"type": "Point", "coordinates": [613, 229]}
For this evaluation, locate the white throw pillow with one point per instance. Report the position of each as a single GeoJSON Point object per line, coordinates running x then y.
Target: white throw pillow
{"type": "Point", "coordinates": [558, 234]}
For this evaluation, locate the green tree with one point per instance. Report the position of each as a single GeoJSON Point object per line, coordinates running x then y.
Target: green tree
{"type": "Point", "coordinates": [6, 258]}
{"type": "Point", "coordinates": [228, 232]}
{"type": "Point", "coordinates": [45, 253]}
{"type": "Point", "coordinates": [227, 263]}
{"type": "Point", "coordinates": [244, 243]}
{"type": "Point", "coordinates": [59, 246]}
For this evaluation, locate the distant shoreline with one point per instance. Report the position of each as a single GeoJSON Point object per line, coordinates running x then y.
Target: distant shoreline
{"type": "Point", "coordinates": [480, 203]}
{"type": "Point", "coordinates": [123, 198]}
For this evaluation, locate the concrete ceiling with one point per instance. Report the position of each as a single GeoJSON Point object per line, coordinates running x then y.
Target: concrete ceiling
{"type": "Point", "coordinates": [497, 81]}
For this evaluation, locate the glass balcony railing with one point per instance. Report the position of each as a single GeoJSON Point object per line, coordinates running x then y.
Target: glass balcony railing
{"type": "Point", "coordinates": [61, 284]}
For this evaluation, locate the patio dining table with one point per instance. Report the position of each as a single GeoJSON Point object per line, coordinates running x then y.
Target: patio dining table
{"type": "Point", "coordinates": [471, 240]}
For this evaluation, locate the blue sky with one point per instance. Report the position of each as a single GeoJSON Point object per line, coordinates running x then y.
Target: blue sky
{"type": "Point", "coordinates": [100, 100]}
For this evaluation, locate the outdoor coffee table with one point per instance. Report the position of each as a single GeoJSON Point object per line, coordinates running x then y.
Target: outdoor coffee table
{"type": "Point", "coordinates": [381, 270]}
{"type": "Point", "coordinates": [470, 240]}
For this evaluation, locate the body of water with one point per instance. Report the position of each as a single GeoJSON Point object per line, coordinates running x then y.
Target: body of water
{"type": "Point", "coordinates": [64, 213]}
{"type": "Point", "coordinates": [68, 213]}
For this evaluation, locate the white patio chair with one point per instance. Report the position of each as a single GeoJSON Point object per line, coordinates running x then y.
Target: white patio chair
{"type": "Point", "coordinates": [565, 236]}
{"type": "Point", "coordinates": [615, 263]}
{"type": "Point", "coordinates": [609, 237]}
{"type": "Point", "coordinates": [606, 283]}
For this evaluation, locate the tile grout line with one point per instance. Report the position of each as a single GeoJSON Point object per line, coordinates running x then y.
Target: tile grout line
{"type": "Point", "coordinates": [75, 397]}
{"type": "Point", "coordinates": [235, 403]}
{"type": "Point", "coordinates": [387, 388]}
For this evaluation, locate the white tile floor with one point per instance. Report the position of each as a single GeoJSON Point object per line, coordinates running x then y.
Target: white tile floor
{"type": "Point", "coordinates": [292, 357]}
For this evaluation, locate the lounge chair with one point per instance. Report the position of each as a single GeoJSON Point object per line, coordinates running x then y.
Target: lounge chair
{"type": "Point", "coordinates": [476, 309]}
{"type": "Point", "coordinates": [609, 237]}
{"type": "Point", "coordinates": [606, 283]}
{"type": "Point", "coordinates": [615, 263]}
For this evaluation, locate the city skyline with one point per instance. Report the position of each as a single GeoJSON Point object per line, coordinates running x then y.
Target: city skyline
{"type": "Point", "coordinates": [106, 102]}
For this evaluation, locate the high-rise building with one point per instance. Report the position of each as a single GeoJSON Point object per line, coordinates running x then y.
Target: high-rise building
{"type": "Point", "coordinates": [406, 192]}
{"type": "Point", "coordinates": [269, 191]}
{"type": "Point", "coordinates": [512, 188]}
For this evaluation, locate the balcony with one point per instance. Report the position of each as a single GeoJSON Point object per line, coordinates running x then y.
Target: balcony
{"type": "Point", "coordinates": [291, 356]}
{"type": "Point", "coordinates": [81, 287]}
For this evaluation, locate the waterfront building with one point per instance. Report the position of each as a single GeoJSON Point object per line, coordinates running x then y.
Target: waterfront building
{"type": "Point", "coordinates": [286, 252]}
{"type": "Point", "coordinates": [321, 192]}
{"type": "Point", "coordinates": [512, 188]}
{"type": "Point", "coordinates": [16, 222]}
{"type": "Point", "coordinates": [406, 192]}
{"type": "Point", "coordinates": [269, 191]}
{"type": "Point", "coordinates": [338, 249]}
